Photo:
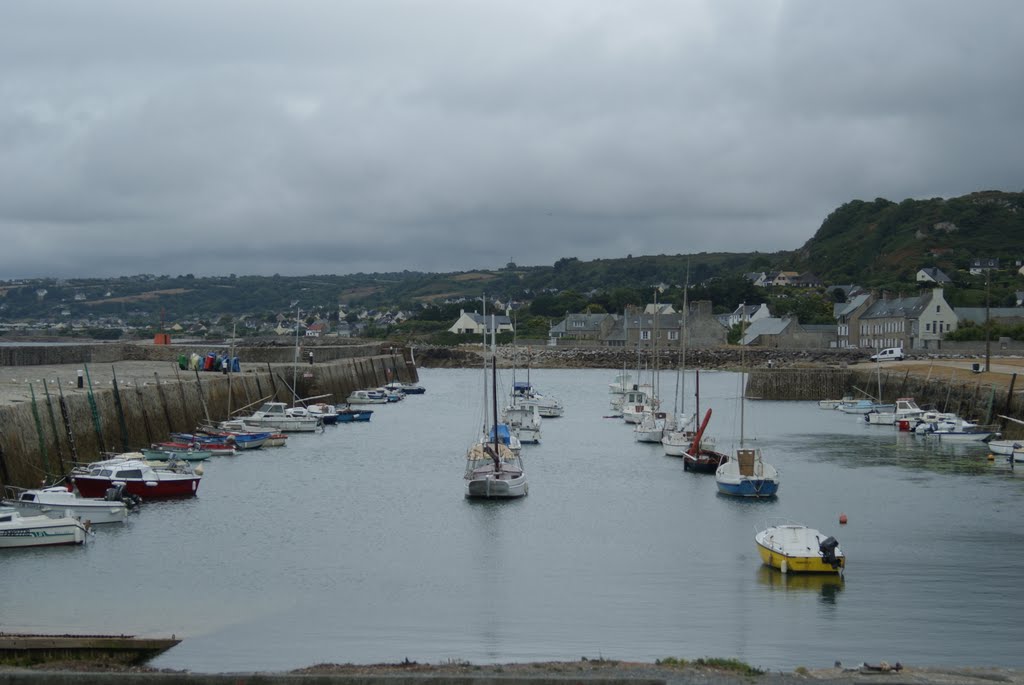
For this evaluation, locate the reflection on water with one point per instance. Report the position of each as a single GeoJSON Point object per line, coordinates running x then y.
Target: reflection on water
{"type": "Point", "coordinates": [828, 585]}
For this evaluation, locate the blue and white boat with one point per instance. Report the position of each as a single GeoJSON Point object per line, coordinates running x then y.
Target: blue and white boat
{"type": "Point", "coordinates": [746, 474]}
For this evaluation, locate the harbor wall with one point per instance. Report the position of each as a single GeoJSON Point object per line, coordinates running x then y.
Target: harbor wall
{"type": "Point", "coordinates": [970, 398]}
{"type": "Point", "coordinates": [42, 438]}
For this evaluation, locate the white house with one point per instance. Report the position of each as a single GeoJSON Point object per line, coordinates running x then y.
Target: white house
{"type": "Point", "coordinates": [746, 312]}
{"type": "Point", "coordinates": [472, 322]}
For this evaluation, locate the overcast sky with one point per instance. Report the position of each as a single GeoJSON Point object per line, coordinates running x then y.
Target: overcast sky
{"type": "Point", "coordinates": [335, 136]}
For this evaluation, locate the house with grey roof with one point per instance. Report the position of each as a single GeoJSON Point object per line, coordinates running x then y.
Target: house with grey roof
{"type": "Point", "coordinates": [577, 327]}
{"type": "Point", "coordinates": [847, 315]}
{"type": "Point", "coordinates": [932, 274]}
{"type": "Point", "coordinates": [918, 322]}
{"type": "Point", "coordinates": [745, 312]}
{"type": "Point", "coordinates": [787, 333]}
{"type": "Point", "coordinates": [473, 322]}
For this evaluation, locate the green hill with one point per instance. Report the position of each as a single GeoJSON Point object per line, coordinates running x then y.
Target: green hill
{"type": "Point", "coordinates": [883, 242]}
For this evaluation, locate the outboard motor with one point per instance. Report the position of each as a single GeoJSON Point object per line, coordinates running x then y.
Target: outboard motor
{"type": "Point", "coordinates": [116, 493]}
{"type": "Point", "coordinates": [827, 547]}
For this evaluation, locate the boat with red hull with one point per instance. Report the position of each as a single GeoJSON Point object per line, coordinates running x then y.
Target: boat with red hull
{"type": "Point", "coordinates": [174, 479]}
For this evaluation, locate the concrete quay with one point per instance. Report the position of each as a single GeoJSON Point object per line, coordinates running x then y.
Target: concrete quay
{"type": "Point", "coordinates": [48, 423]}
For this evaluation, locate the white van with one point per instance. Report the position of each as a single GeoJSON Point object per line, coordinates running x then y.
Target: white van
{"type": "Point", "coordinates": [888, 354]}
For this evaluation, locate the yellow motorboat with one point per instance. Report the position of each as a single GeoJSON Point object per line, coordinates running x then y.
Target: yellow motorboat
{"type": "Point", "coordinates": [793, 548]}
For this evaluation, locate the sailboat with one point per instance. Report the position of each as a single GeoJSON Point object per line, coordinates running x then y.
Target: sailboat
{"type": "Point", "coordinates": [523, 419]}
{"type": "Point", "coordinates": [493, 470]}
{"type": "Point", "coordinates": [746, 474]}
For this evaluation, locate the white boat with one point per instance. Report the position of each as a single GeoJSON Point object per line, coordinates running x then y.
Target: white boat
{"type": "Point", "coordinates": [637, 401]}
{"type": "Point", "coordinates": [622, 383]}
{"type": "Point", "coordinates": [327, 413]}
{"type": "Point", "coordinates": [366, 397]}
{"type": "Point", "coordinates": [405, 388]}
{"type": "Point", "coordinates": [526, 395]}
{"type": "Point", "coordinates": [38, 531]}
{"type": "Point", "coordinates": [793, 548]}
{"type": "Point", "coordinates": [834, 404]}
{"type": "Point", "coordinates": [651, 427]}
{"type": "Point", "coordinates": [275, 415]}
{"type": "Point", "coordinates": [678, 442]}
{"type": "Point", "coordinates": [524, 421]}
{"type": "Point", "coordinates": [864, 406]}
{"type": "Point", "coordinates": [1006, 447]}
{"type": "Point", "coordinates": [58, 502]}
{"type": "Point", "coordinates": [951, 428]}
{"type": "Point", "coordinates": [493, 471]}
{"type": "Point", "coordinates": [905, 409]}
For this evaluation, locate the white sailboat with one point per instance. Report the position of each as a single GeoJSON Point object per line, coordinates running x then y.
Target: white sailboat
{"type": "Point", "coordinates": [493, 470]}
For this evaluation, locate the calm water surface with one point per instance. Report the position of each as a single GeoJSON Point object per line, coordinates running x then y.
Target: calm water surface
{"type": "Point", "coordinates": [356, 545]}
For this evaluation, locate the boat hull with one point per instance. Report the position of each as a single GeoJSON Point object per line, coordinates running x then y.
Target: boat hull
{"type": "Point", "coordinates": [96, 486]}
{"type": "Point", "coordinates": [497, 488]}
{"type": "Point", "coordinates": [793, 548]}
{"type": "Point", "coordinates": [797, 564]}
{"type": "Point", "coordinates": [704, 461]}
{"type": "Point", "coordinates": [60, 506]}
{"type": "Point", "coordinates": [749, 487]}
{"type": "Point", "coordinates": [41, 531]}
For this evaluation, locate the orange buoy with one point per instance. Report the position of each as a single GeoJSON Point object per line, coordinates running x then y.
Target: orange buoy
{"type": "Point", "coordinates": [842, 519]}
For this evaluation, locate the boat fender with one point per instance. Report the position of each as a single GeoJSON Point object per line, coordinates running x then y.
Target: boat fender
{"type": "Point", "coordinates": [784, 566]}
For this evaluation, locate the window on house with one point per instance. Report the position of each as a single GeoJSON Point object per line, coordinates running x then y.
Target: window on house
{"type": "Point", "coordinates": [645, 335]}
{"type": "Point", "coordinates": [928, 327]}
{"type": "Point", "coordinates": [673, 335]}
{"type": "Point", "coordinates": [936, 309]}
{"type": "Point", "coordinates": [577, 324]}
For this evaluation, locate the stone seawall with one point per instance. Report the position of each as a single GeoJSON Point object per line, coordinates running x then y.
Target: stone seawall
{"type": "Point", "coordinates": [47, 423]}
{"type": "Point", "coordinates": [973, 398]}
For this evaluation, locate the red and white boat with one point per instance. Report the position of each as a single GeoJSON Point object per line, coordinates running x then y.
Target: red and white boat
{"type": "Point", "coordinates": [174, 478]}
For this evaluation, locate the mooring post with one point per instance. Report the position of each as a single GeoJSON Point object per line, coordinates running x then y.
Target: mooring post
{"type": "Point", "coordinates": [39, 431]}
{"type": "Point", "coordinates": [53, 428]}
{"type": "Point", "coordinates": [145, 414]}
{"type": "Point", "coordinates": [95, 412]}
{"type": "Point", "coordinates": [66, 416]}
{"type": "Point", "coordinates": [120, 412]}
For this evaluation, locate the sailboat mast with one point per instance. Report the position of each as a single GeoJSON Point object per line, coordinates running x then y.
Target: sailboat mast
{"type": "Point", "coordinates": [743, 371]}
{"type": "Point", "coordinates": [494, 391]}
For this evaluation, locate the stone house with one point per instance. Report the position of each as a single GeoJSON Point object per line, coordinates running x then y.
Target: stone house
{"type": "Point", "coordinates": [913, 323]}
{"type": "Point", "coordinates": [592, 327]}
{"type": "Point", "coordinates": [847, 316]}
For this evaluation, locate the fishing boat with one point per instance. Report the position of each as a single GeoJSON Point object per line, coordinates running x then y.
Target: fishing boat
{"type": "Point", "coordinates": [525, 422]}
{"type": "Point", "coordinates": [746, 474]}
{"type": "Point", "coordinates": [794, 548]}
{"type": "Point", "coordinates": [699, 457]}
{"type": "Point", "coordinates": [57, 501]}
{"type": "Point", "coordinates": [834, 404]}
{"type": "Point", "coordinates": [38, 531]}
{"type": "Point", "coordinates": [526, 395]}
{"type": "Point", "coordinates": [493, 470]}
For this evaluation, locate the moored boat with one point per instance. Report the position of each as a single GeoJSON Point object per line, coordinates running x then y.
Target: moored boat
{"type": "Point", "coordinates": [154, 454]}
{"type": "Point", "coordinates": [175, 478]}
{"type": "Point", "coordinates": [699, 457]}
{"type": "Point", "coordinates": [58, 501]}
{"type": "Point", "coordinates": [794, 548]}
{"type": "Point", "coordinates": [274, 415]}
{"type": "Point", "coordinates": [38, 531]}
{"type": "Point", "coordinates": [366, 397]}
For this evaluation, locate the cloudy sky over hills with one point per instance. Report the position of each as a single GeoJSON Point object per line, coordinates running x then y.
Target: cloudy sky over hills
{"type": "Point", "coordinates": [335, 136]}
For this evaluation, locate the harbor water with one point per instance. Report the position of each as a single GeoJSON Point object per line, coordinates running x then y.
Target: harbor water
{"type": "Point", "coordinates": [356, 545]}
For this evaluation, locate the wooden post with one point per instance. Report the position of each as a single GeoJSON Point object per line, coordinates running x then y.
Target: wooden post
{"type": "Point", "coordinates": [120, 412]}
{"type": "Point", "coordinates": [65, 414]}
{"type": "Point", "coordinates": [53, 428]}
{"type": "Point", "coordinates": [145, 414]}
